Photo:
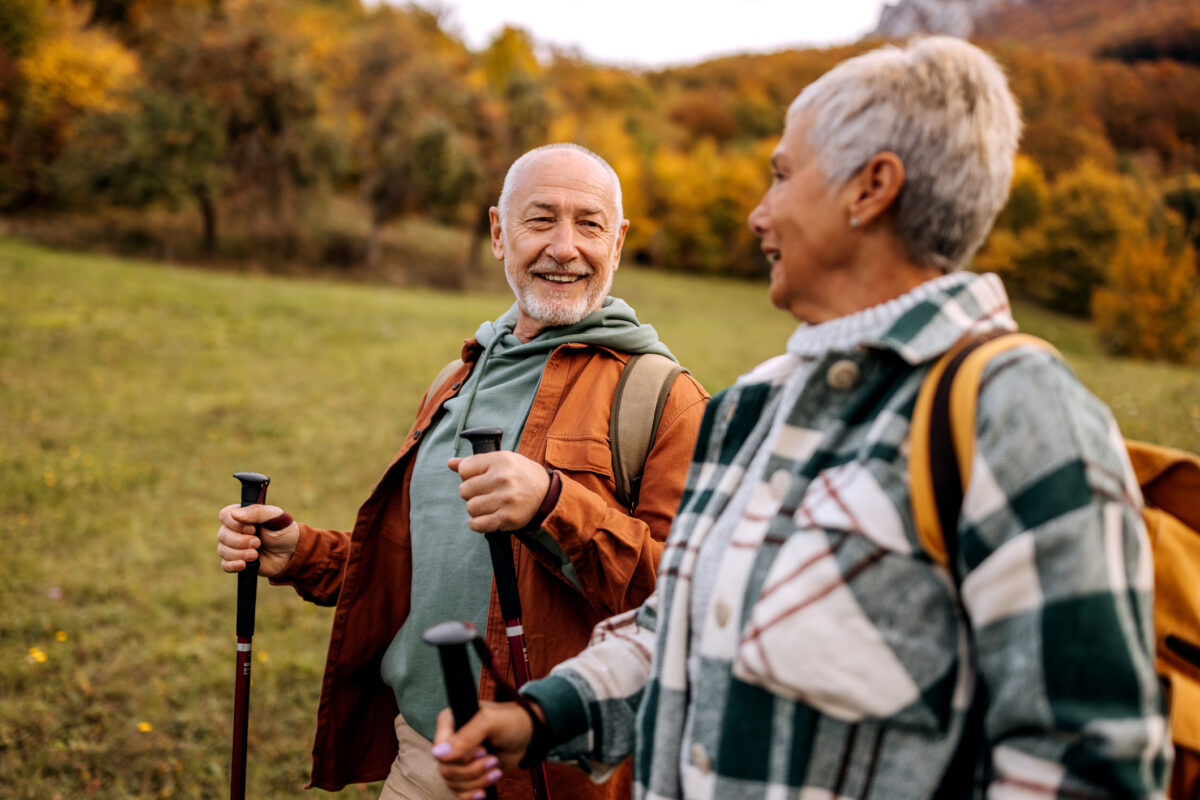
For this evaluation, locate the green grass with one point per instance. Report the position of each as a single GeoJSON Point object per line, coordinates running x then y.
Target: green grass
{"type": "Point", "coordinates": [129, 394]}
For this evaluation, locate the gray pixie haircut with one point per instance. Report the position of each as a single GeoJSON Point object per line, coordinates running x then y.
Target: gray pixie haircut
{"type": "Point", "coordinates": [519, 165]}
{"type": "Point", "coordinates": [944, 107]}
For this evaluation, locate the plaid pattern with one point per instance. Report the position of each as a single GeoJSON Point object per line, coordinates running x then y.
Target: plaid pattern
{"type": "Point", "coordinates": [835, 660]}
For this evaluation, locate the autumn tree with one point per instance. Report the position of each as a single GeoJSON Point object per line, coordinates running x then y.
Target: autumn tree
{"type": "Point", "coordinates": [1150, 305]}
{"type": "Point", "coordinates": [57, 70]}
{"type": "Point", "coordinates": [225, 118]}
{"type": "Point", "coordinates": [1088, 213]}
{"type": "Point", "coordinates": [415, 149]}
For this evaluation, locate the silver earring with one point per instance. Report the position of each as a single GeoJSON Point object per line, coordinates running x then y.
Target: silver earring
{"type": "Point", "coordinates": [854, 223]}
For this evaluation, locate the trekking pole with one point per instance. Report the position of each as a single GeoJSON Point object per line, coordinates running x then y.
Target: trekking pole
{"type": "Point", "coordinates": [487, 440]}
{"type": "Point", "coordinates": [254, 490]}
{"type": "Point", "coordinates": [451, 639]}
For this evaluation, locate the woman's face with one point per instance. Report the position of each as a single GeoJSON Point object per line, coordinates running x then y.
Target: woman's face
{"type": "Point", "coordinates": [804, 227]}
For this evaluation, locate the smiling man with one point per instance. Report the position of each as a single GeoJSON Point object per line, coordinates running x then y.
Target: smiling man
{"type": "Point", "coordinates": [545, 372]}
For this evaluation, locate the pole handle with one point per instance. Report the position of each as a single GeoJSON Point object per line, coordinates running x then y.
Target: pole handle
{"type": "Point", "coordinates": [487, 440]}
{"type": "Point", "coordinates": [254, 491]}
{"type": "Point", "coordinates": [451, 639]}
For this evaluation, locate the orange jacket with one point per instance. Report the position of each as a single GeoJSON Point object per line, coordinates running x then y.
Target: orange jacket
{"type": "Point", "coordinates": [367, 572]}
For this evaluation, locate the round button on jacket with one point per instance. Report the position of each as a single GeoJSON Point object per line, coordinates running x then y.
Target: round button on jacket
{"type": "Point", "coordinates": [842, 375]}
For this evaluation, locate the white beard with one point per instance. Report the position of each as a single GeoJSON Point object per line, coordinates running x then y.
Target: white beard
{"type": "Point", "coordinates": [554, 313]}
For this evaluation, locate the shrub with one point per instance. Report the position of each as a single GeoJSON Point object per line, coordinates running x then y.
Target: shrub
{"type": "Point", "coordinates": [1150, 307]}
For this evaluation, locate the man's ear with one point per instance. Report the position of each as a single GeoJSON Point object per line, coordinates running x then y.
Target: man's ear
{"type": "Point", "coordinates": [621, 231]}
{"type": "Point", "coordinates": [497, 233]}
{"type": "Point", "coordinates": [873, 190]}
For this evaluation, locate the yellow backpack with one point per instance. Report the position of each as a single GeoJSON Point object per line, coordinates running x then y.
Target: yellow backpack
{"type": "Point", "coordinates": [941, 442]}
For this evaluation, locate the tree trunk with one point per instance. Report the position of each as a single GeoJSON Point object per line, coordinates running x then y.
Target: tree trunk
{"type": "Point", "coordinates": [208, 211]}
{"type": "Point", "coordinates": [481, 231]}
{"type": "Point", "coordinates": [375, 244]}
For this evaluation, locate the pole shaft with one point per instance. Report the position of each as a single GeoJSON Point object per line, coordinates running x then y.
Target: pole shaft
{"type": "Point", "coordinates": [487, 440]}
{"type": "Point", "coordinates": [254, 491]}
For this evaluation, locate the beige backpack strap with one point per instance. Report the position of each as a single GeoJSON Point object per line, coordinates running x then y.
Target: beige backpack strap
{"type": "Point", "coordinates": [443, 375]}
{"type": "Point", "coordinates": [633, 421]}
{"type": "Point", "coordinates": [941, 437]}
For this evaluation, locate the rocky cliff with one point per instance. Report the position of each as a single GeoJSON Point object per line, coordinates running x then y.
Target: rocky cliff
{"type": "Point", "coordinates": [955, 17]}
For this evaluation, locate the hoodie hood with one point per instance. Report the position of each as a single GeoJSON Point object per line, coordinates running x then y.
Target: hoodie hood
{"type": "Point", "coordinates": [613, 325]}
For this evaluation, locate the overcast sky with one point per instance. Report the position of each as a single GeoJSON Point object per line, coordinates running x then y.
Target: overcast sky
{"type": "Point", "coordinates": [655, 33]}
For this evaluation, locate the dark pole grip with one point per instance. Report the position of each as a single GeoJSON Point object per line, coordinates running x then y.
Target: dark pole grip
{"type": "Point", "coordinates": [254, 491]}
{"type": "Point", "coordinates": [451, 639]}
{"type": "Point", "coordinates": [487, 440]}
{"type": "Point", "coordinates": [483, 440]}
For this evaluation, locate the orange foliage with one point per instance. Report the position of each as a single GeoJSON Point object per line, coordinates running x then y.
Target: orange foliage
{"type": "Point", "coordinates": [1150, 306]}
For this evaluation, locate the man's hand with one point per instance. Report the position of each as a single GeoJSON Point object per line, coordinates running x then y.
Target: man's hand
{"type": "Point", "coordinates": [237, 542]}
{"type": "Point", "coordinates": [503, 490]}
{"type": "Point", "coordinates": [466, 767]}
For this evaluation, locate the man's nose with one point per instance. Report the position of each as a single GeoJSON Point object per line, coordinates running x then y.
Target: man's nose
{"type": "Point", "coordinates": [562, 243]}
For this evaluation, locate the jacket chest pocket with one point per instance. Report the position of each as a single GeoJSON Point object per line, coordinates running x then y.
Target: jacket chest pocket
{"type": "Point", "coordinates": [580, 454]}
{"type": "Point", "coordinates": [850, 619]}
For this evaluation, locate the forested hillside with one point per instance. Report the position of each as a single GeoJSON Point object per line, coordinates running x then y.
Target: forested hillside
{"type": "Point", "coordinates": [312, 132]}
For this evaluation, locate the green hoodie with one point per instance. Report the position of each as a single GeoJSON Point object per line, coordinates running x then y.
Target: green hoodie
{"type": "Point", "coordinates": [452, 570]}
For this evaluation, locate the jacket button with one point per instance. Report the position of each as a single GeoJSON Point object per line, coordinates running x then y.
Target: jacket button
{"type": "Point", "coordinates": [417, 433]}
{"type": "Point", "coordinates": [722, 611]}
{"type": "Point", "coordinates": [456, 384]}
{"type": "Point", "coordinates": [700, 758]}
{"type": "Point", "coordinates": [842, 375]}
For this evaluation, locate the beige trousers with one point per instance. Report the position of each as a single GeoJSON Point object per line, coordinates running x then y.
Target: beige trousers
{"type": "Point", "coordinates": [414, 774]}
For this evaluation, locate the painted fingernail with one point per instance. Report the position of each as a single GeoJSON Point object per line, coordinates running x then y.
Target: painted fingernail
{"type": "Point", "coordinates": [440, 750]}
{"type": "Point", "coordinates": [491, 763]}
{"type": "Point", "coordinates": [479, 753]}
{"type": "Point", "coordinates": [480, 795]}
{"type": "Point", "coordinates": [494, 776]}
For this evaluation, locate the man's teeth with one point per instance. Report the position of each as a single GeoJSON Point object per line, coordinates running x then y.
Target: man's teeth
{"type": "Point", "coordinates": [561, 278]}
{"type": "Point", "coordinates": [772, 257]}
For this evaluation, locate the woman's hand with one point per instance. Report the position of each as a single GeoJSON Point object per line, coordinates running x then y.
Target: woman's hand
{"type": "Point", "coordinates": [466, 767]}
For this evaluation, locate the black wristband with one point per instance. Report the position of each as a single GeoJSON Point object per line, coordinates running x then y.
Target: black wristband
{"type": "Point", "coordinates": [539, 742]}
{"type": "Point", "coordinates": [553, 490]}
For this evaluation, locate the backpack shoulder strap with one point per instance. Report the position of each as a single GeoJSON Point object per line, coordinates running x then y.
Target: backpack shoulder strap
{"type": "Point", "coordinates": [443, 375]}
{"type": "Point", "coordinates": [637, 409]}
{"type": "Point", "coordinates": [941, 446]}
{"type": "Point", "coordinates": [942, 435]}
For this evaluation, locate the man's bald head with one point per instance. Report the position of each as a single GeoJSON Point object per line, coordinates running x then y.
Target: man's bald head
{"type": "Point", "coordinates": [516, 174]}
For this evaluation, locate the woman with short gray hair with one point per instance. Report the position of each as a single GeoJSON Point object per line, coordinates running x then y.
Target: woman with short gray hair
{"type": "Point", "coordinates": [804, 641]}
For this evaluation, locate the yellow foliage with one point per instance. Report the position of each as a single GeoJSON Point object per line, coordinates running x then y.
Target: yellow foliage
{"type": "Point", "coordinates": [1026, 198]}
{"type": "Point", "coordinates": [999, 253]}
{"type": "Point", "coordinates": [75, 67]}
{"type": "Point", "coordinates": [701, 199]}
{"type": "Point", "coordinates": [1150, 307]}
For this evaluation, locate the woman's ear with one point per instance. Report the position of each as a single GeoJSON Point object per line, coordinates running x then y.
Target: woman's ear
{"type": "Point", "coordinates": [875, 187]}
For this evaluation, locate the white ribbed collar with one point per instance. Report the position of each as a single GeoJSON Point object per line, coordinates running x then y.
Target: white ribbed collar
{"type": "Point", "coordinates": [846, 333]}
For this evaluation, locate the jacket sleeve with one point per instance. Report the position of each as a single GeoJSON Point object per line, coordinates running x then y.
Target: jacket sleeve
{"type": "Point", "coordinates": [1056, 580]}
{"type": "Point", "coordinates": [317, 566]}
{"type": "Point", "coordinates": [615, 555]}
{"type": "Point", "coordinates": [591, 701]}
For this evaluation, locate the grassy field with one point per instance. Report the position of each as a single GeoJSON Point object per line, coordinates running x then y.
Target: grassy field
{"type": "Point", "coordinates": [130, 393]}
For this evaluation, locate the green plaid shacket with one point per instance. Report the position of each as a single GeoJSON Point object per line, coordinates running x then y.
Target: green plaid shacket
{"type": "Point", "coordinates": [835, 660]}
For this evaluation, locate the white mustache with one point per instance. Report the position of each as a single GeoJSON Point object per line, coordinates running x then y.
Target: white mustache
{"type": "Point", "coordinates": [547, 264]}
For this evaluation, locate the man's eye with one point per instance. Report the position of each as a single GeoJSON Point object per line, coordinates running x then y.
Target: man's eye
{"type": "Point", "coordinates": [590, 223]}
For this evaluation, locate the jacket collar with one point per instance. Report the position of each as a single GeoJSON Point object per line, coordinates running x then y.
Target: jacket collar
{"type": "Point", "coordinates": [962, 304]}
